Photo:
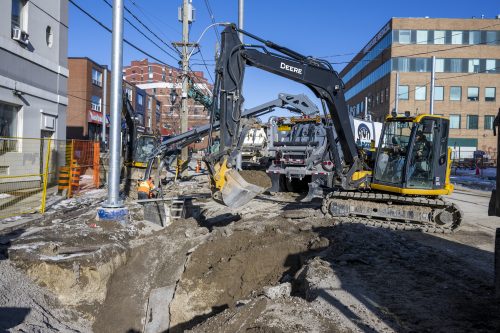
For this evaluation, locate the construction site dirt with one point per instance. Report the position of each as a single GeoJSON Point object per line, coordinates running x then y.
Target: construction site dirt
{"type": "Point", "coordinates": [273, 265]}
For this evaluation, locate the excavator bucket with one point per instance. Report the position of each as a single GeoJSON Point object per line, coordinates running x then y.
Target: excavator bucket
{"type": "Point", "coordinates": [236, 191]}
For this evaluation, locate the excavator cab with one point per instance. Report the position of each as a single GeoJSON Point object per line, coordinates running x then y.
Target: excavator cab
{"type": "Point", "coordinates": [413, 156]}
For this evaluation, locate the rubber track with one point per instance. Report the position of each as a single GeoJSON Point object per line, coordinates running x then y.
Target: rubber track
{"type": "Point", "coordinates": [398, 199]}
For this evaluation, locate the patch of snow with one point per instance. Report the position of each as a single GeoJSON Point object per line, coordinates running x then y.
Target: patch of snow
{"type": "Point", "coordinates": [63, 256]}
{"type": "Point", "coordinates": [5, 196]}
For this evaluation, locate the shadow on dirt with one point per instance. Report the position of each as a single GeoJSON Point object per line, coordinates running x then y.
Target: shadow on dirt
{"type": "Point", "coordinates": [408, 286]}
{"type": "Point", "coordinates": [11, 317]}
{"type": "Point", "coordinates": [6, 242]}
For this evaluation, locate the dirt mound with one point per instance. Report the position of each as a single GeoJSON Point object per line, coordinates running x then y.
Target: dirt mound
{"type": "Point", "coordinates": [225, 270]}
{"type": "Point", "coordinates": [256, 177]}
{"type": "Point", "coordinates": [26, 307]}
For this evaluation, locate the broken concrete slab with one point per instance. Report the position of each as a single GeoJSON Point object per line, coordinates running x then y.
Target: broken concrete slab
{"type": "Point", "coordinates": [158, 309]}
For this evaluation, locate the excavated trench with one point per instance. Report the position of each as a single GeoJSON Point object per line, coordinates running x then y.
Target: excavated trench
{"type": "Point", "coordinates": [228, 269]}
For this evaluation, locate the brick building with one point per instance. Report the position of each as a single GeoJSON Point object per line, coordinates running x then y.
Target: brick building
{"type": "Point", "coordinates": [467, 71]}
{"type": "Point", "coordinates": [159, 81]}
{"type": "Point", "coordinates": [85, 101]}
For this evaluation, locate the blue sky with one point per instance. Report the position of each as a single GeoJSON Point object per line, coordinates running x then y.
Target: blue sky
{"type": "Point", "coordinates": [318, 28]}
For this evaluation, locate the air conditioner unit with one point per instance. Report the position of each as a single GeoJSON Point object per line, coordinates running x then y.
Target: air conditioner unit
{"type": "Point", "coordinates": [20, 35]}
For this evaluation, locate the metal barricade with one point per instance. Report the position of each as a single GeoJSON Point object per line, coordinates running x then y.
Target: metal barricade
{"type": "Point", "coordinates": [32, 170]}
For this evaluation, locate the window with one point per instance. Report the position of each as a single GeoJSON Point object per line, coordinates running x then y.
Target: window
{"type": "Point", "coordinates": [455, 120]}
{"type": "Point", "coordinates": [404, 36]}
{"type": "Point", "coordinates": [382, 97]}
{"type": "Point", "coordinates": [18, 14]}
{"type": "Point", "coordinates": [455, 93]}
{"type": "Point", "coordinates": [457, 37]}
{"type": "Point", "coordinates": [128, 91]}
{"type": "Point", "coordinates": [473, 65]}
{"type": "Point", "coordinates": [456, 65]}
{"type": "Point", "coordinates": [438, 93]}
{"type": "Point", "coordinates": [439, 37]}
{"type": "Point", "coordinates": [474, 37]}
{"type": "Point", "coordinates": [473, 94]}
{"type": "Point", "coordinates": [404, 64]}
{"type": "Point", "coordinates": [490, 94]}
{"type": "Point", "coordinates": [150, 69]}
{"type": "Point", "coordinates": [420, 92]}
{"type": "Point", "coordinates": [150, 100]}
{"type": "Point", "coordinates": [387, 94]}
{"type": "Point", "coordinates": [49, 36]}
{"type": "Point", "coordinates": [95, 103]}
{"type": "Point", "coordinates": [403, 92]}
{"type": "Point", "coordinates": [491, 37]}
{"type": "Point", "coordinates": [472, 121]}
{"type": "Point", "coordinates": [140, 99]}
{"type": "Point", "coordinates": [96, 77]}
{"type": "Point", "coordinates": [8, 122]}
{"type": "Point", "coordinates": [422, 36]}
{"type": "Point", "coordinates": [490, 65]}
{"type": "Point", "coordinates": [488, 122]}
{"type": "Point", "coordinates": [421, 65]}
{"type": "Point", "coordinates": [439, 65]}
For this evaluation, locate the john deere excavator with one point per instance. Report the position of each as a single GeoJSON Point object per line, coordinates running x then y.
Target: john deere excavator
{"type": "Point", "coordinates": [412, 164]}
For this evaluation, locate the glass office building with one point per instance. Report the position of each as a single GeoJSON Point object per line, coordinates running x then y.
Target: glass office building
{"type": "Point", "coordinates": [467, 75]}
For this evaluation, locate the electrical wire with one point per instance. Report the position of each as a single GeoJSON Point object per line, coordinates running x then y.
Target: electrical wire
{"type": "Point", "coordinates": [110, 31]}
{"type": "Point", "coordinates": [144, 35]}
{"type": "Point", "coordinates": [150, 16]}
{"type": "Point", "coordinates": [446, 78]}
{"type": "Point", "coordinates": [410, 44]}
{"type": "Point", "coordinates": [419, 53]}
{"type": "Point", "coordinates": [212, 18]}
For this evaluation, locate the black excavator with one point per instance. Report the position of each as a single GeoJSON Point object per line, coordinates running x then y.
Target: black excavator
{"type": "Point", "coordinates": [412, 163]}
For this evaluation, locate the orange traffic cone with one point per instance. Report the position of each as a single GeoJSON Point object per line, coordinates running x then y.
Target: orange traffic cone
{"type": "Point", "coordinates": [198, 166]}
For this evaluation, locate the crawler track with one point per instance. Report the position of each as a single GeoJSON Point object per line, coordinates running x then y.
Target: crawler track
{"type": "Point", "coordinates": [393, 211]}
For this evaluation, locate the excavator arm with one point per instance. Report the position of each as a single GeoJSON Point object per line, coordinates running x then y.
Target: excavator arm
{"type": "Point", "coordinates": [316, 74]}
{"type": "Point", "coordinates": [169, 149]}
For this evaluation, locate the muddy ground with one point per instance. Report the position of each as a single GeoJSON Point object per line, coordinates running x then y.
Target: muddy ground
{"type": "Point", "coordinates": [274, 265]}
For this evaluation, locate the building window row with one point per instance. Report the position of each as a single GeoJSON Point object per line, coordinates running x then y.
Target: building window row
{"type": "Point", "coordinates": [448, 37]}
{"type": "Point", "coordinates": [424, 65]}
{"type": "Point", "coordinates": [447, 65]}
{"type": "Point", "coordinates": [472, 121]}
{"type": "Point", "coordinates": [455, 93]}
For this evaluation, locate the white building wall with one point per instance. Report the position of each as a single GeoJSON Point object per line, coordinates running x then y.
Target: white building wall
{"type": "Point", "coordinates": [33, 77]}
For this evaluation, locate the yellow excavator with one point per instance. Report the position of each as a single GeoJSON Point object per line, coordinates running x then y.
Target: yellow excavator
{"type": "Point", "coordinates": [411, 171]}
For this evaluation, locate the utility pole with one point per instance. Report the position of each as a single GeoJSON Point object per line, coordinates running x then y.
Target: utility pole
{"type": "Point", "coordinates": [433, 82]}
{"type": "Point", "coordinates": [113, 209]}
{"type": "Point", "coordinates": [239, 157]}
{"type": "Point", "coordinates": [186, 15]}
{"type": "Point", "coordinates": [116, 107]}
{"type": "Point", "coordinates": [240, 18]}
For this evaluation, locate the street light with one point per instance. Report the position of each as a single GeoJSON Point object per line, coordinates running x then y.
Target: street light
{"type": "Point", "coordinates": [173, 96]}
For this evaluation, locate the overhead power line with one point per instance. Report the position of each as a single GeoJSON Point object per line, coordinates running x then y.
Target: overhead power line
{"type": "Point", "coordinates": [446, 78]}
{"type": "Point", "coordinates": [145, 36]}
{"type": "Point", "coordinates": [212, 18]}
{"type": "Point", "coordinates": [406, 45]}
{"type": "Point", "coordinates": [149, 16]}
{"type": "Point", "coordinates": [110, 31]}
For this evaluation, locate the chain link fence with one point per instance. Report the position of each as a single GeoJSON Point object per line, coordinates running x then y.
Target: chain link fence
{"type": "Point", "coordinates": [32, 170]}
